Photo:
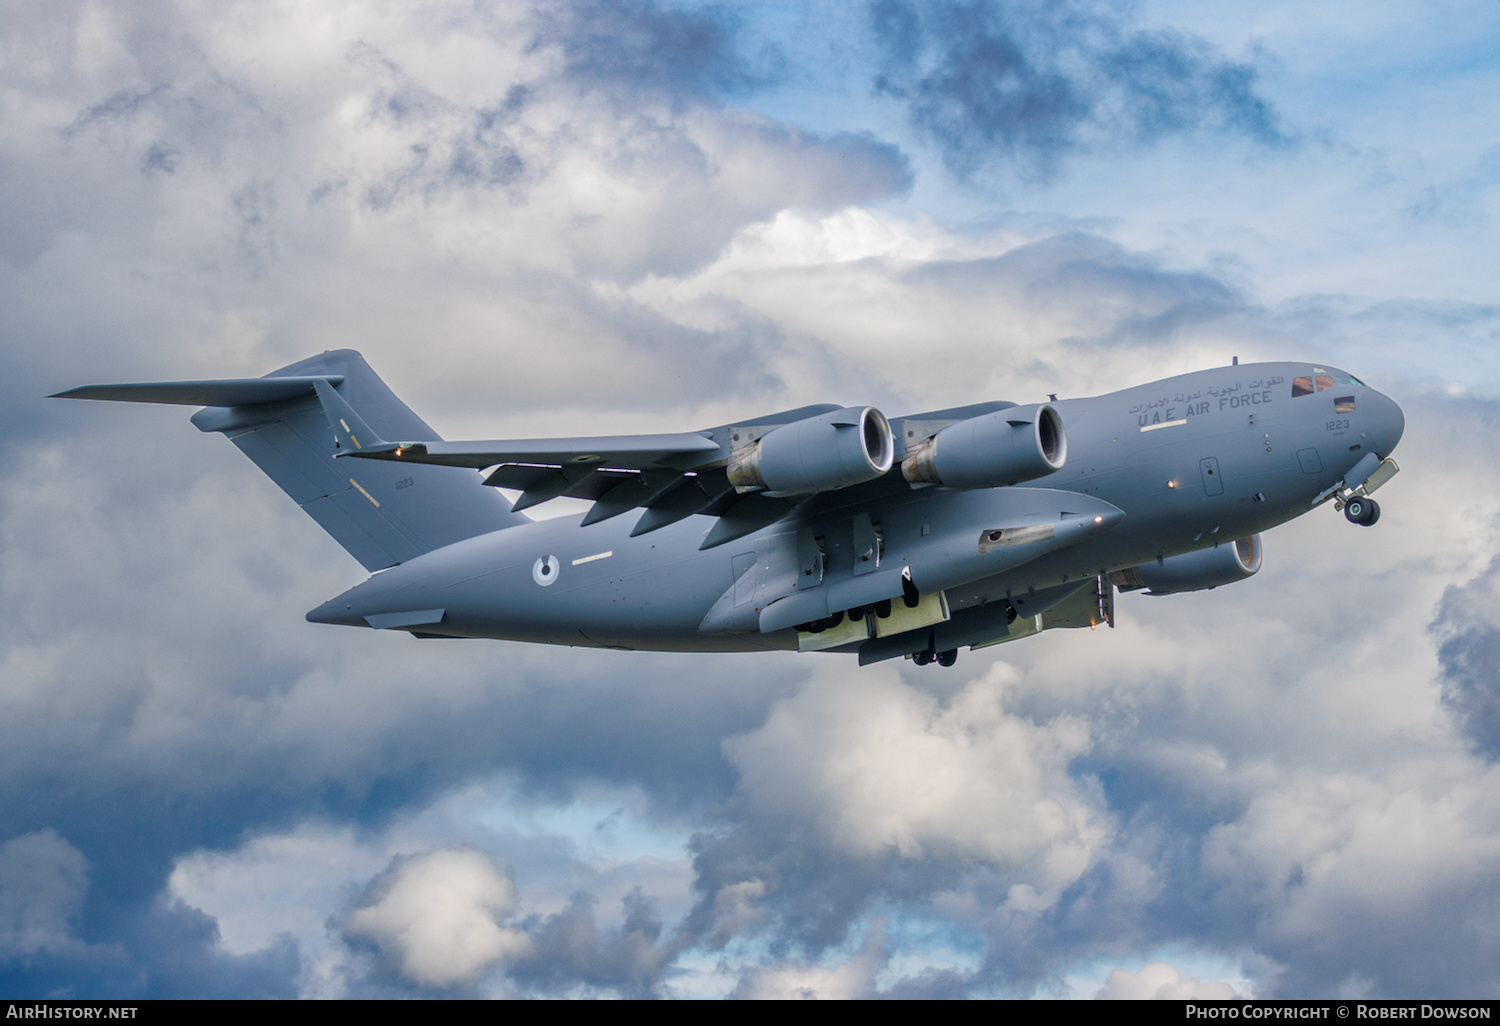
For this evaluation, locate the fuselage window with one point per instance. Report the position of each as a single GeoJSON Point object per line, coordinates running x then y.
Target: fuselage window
{"type": "Point", "coordinates": [1301, 386]}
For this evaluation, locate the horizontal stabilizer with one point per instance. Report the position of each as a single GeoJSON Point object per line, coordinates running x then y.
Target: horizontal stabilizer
{"type": "Point", "coordinates": [220, 392]}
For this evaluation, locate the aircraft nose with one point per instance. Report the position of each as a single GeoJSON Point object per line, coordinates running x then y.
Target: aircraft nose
{"type": "Point", "coordinates": [1384, 422]}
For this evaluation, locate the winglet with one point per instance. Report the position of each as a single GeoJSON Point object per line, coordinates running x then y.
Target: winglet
{"type": "Point", "coordinates": [350, 433]}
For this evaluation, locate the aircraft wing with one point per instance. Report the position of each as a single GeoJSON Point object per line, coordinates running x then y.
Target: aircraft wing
{"type": "Point", "coordinates": [673, 476]}
{"type": "Point", "coordinates": [626, 452]}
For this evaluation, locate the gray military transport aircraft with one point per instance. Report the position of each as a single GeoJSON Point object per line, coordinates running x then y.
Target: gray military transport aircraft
{"type": "Point", "coordinates": [823, 528]}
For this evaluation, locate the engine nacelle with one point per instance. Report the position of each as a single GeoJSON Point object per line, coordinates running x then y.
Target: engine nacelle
{"type": "Point", "coordinates": [835, 450]}
{"type": "Point", "coordinates": [1002, 448]}
{"type": "Point", "coordinates": [1207, 568]}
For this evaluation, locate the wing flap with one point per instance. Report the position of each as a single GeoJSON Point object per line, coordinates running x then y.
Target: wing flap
{"type": "Point", "coordinates": [703, 493]}
{"type": "Point", "coordinates": [746, 516]}
{"type": "Point", "coordinates": [622, 498]}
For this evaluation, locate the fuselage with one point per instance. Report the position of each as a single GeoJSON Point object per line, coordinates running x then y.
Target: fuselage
{"type": "Point", "coordinates": [1162, 469]}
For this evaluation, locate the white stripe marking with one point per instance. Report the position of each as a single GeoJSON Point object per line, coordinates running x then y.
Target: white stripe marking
{"type": "Point", "coordinates": [364, 493]}
{"type": "Point", "coordinates": [590, 559]}
{"type": "Point", "coordinates": [1165, 423]}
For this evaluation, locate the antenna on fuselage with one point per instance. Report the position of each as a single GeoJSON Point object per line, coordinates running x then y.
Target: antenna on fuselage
{"type": "Point", "coordinates": [1235, 362]}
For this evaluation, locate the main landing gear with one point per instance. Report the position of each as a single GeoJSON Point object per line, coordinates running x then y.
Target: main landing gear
{"type": "Point", "coordinates": [1362, 511]}
{"type": "Point", "coordinates": [947, 657]}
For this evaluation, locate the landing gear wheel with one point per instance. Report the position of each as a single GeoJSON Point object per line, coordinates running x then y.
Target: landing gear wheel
{"type": "Point", "coordinates": [923, 657]}
{"type": "Point", "coordinates": [1362, 511]}
{"type": "Point", "coordinates": [948, 657]}
{"type": "Point", "coordinates": [819, 626]}
{"type": "Point", "coordinates": [883, 608]}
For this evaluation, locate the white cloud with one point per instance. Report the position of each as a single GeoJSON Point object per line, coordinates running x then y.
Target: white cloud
{"type": "Point", "coordinates": [851, 979]}
{"type": "Point", "coordinates": [437, 916]}
{"type": "Point", "coordinates": [1387, 863]}
{"type": "Point", "coordinates": [876, 767]}
{"type": "Point", "coordinates": [604, 842]}
{"type": "Point", "coordinates": [1161, 982]}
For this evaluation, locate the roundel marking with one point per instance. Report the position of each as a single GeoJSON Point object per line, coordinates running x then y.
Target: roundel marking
{"type": "Point", "coordinates": [544, 570]}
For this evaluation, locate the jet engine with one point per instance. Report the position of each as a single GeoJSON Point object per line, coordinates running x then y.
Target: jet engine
{"type": "Point", "coordinates": [1021, 443]}
{"type": "Point", "coordinates": [835, 450]}
{"type": "Point", "coordinates": [1198, 571]}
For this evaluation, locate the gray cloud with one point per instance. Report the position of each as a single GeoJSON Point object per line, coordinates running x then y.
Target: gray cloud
{"type": "Point", "coordinates": [571, 949]}
{"type": "Point", "coordinates": [165, 950]}
{"type": "Point", "coordinates": [176, 954]}
{"type": "Point", "coordinates": [1467, 629]}
{"type": "Point", "coordinates": [647, 47]}
{"type": "Point", "coordinates": [121, 105]}
{"type": "Point", "coordinates": [1030, 83]}
{"type": "Point", "coordinates": [1117, 298]}
{"type": "Point", "coordinates": [43, 880]}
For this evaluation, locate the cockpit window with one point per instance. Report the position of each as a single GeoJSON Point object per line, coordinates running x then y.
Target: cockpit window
{"type": "Point", "coordinates": [1321, 381]}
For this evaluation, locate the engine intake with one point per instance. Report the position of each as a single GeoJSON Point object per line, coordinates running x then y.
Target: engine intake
{"type": "Point", "coordinates": [1018, 444]}
{"type": "Point", "coordinates": [1197, 571]}
{"type": "Point", "coordinates": [835, 450]}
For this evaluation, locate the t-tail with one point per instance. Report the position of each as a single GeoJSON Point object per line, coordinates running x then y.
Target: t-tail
{"type": "Point", "coordinates": [295, 422]}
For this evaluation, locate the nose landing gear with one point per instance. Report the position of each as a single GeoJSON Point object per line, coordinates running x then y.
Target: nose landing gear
{"type": "Point", "coordinates": [1362, 511]}
{"type": "Point", "coordinates": [1356, 503]}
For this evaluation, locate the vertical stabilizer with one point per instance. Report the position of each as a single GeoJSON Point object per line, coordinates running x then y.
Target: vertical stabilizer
{"type": "Point", "coordinates": [381, 513]}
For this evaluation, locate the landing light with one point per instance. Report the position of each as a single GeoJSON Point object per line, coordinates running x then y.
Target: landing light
{"type": "Point", "coordinates": [1171, 484]}
{"type": "Point", "coordinates": [1098, 520]}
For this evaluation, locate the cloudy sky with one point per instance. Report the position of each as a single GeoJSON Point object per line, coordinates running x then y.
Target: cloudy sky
{"type": "Point", "coordinates": [606, 216]}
